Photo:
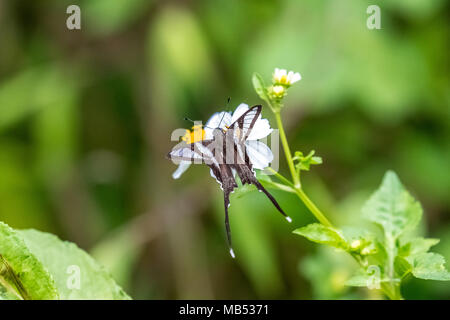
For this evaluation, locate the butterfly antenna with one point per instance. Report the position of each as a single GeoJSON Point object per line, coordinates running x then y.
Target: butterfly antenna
{"type": "Point", "coordinates": [226, 107]}
{"type": "Point", "coordinates": [223, 115]}
{"type": "Point", "coordinates": [187, 119]}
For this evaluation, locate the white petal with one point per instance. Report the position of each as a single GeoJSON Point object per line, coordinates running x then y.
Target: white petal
{"type": "Point", "coordinates": [259, 154]}
{"type": "Point", "coordinates": [283, 72]}
{"type": "Point", "coordinates": [240, 110]}
{"type": "Point", "coordinates": [275, 74]}
{"type": "Point", "coordinates": [279, 73]}
{"type": "Point", "coordinates": [290, 76]}
{"type": "Point", "coordinates": [295, 77]}
{"type": "Point", "coordinates": [182, 167]}
{"type": "Point", "coordinates": [181, 154]}
{"type": "Point", "coordinates": [217, 120]}
{"type": "Point", "coordinates": [260, 130]}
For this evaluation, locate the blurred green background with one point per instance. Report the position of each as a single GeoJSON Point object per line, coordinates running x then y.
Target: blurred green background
{"type": "Point", "coordinates": [86, 117]}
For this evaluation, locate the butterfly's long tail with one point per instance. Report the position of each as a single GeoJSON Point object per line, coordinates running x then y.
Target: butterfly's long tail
{"type": "Point", "coordinates": [271, 198]}
{"type": "Point", "coordinates": [227, 222]}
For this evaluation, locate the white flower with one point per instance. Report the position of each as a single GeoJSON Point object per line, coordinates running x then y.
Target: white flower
{"type": "Point", "coordinates": [281, 76]}
{"type": "Point", "coordinates": [258, 152]}
{"type": "Point", "coordinates": [278, 91]}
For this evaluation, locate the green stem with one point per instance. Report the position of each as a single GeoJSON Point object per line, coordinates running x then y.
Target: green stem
{"type": "Point", "coordinates": [313, 208]}
{"type": "Point", "coordinates": [397, 294]}
{"type": "Point", "coordinates": [392, 290]}
{"type": "Point", "coordinates": [393, 287]}
{"type": "Point", "coordinates": [287, 151]}
{"type": "Point", "coordinates": [390, 250]}
{"type": "Point", "coordinates": [281, 177]}
{"type": "Point", "coordinates": [279, 186]}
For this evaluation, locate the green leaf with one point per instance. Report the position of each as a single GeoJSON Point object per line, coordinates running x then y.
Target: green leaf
{"type": "Point", "coordinates": [416, 246]}
{"type": "Point", "coordinates": [392, 207]}
{"type": "Point", "coordinates": [358, 281]}
{"type": "Point", "coordinates": [63, 259]}
{"type": "Point", "coordinates": [423, 264]}
{"type": "Point", "coordinates": [260, 88]}
{"type": "Point", "coordinates": [365, 280]}
{"type": "Point", "coordinates": [319, 233]}
{"type": "Point", "coordinates": [429, 266]}
{"type": "Point", "coordinates": [22, 270]}
{"type": "Point", "coordinates": [5, 295]}
{"type": "Point", "coordinates": [303, 163]}
{"type": "Point", "coordinates": [402, 266]}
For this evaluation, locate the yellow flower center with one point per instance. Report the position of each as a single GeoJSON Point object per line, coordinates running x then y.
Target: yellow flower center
{"type": "Point", "coordinates": [196, 134]}
{"type": "Point", "coordinates": [278, 91]}
{"type": "Point", "coordinates": [283, 79]}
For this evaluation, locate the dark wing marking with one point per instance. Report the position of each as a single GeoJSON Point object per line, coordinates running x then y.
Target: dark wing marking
{"type": "Point", "coordinates": [225, 177]}
{"type": "Point", "coordinates": [244, 125]}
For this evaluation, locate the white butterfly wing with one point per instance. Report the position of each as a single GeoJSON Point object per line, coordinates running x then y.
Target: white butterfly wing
{"type": "Point", "coordinates": [243, 126]}
{"type": "Point", "coordinates": [197, 152]}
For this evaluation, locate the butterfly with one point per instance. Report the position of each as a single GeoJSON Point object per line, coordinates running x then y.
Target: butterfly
{"type": "Point", "coordinates": [227, 153]}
